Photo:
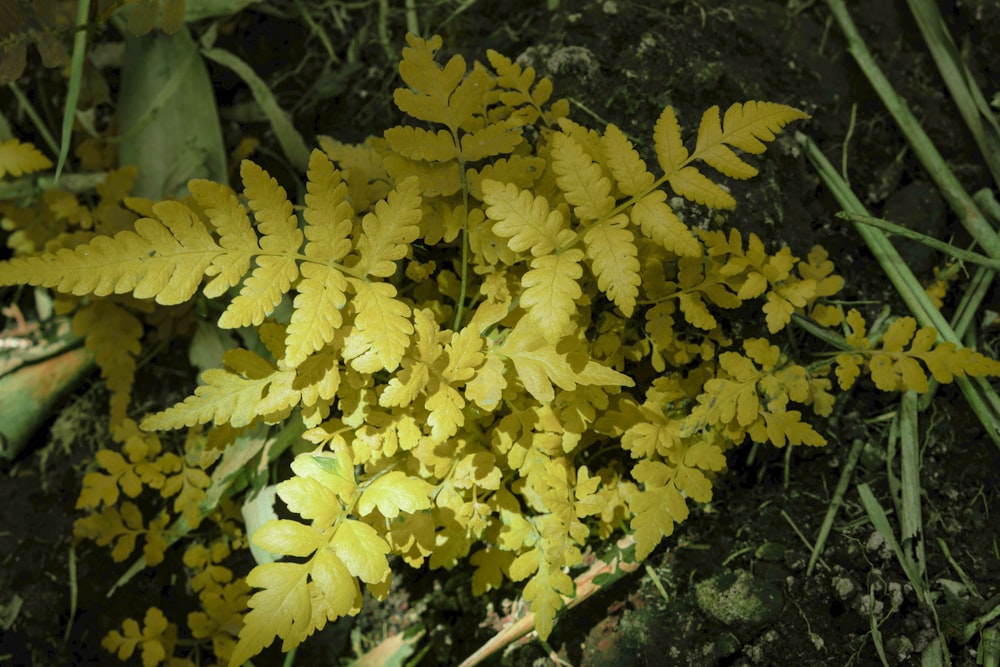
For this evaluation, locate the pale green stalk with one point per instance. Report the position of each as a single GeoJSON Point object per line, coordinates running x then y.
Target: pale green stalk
{"type": "Point", "coordinates": [961, 203]}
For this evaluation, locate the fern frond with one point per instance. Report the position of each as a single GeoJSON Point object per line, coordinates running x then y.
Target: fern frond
{"type": "Point", "coordinates": [540, 365]}
{"type": "Point", "coordinates": [316, 314]}
{"type": "Point", "coordinates": [416, 143]}
{"type": "Point", "coordinates": [382, 328]}
{"type": "Point", "coordinates": [223, 397]}
{"type": "Point", "coordinates": [328, 214]}
{"type": "Point", "coordinates": [389, 231]}
{"type": "Point", "coordinates": [544, 592]}
{"type": "Point", "coordinates": [551, 289]}
{"type": "Point", "coordinates": [711, 149]}
{"type": "Point", "coordinates": [236, 235]}
{"type": "Point", "coordinates": [114, 335]}
{"type": "Point", "coordinates": [746, 127]}
{"type": "Point", "coordinates": [612, 252]}
{"type": "Point", "coordinates": [277, 266]}
{"type": "Point", "coordinates": [500, 138]}
{"type": "Point", "coordinates": [630, 171]}
{"type": "Point", "coordinates": [658, 221]}
{"type": "Point", "coordinates": [18, 158]}
{"type": "Point", "coordinates": [523, 219]}
{"type": "Point", "coordinates": [431, 85]}
{"type": "Point", "coordinates": [581, 180]}
{"type": "Point", "coordinates": [160, 260]}
{"type": "Point", "coordinates": [520, 170]}
{"type": "Point", "coordinates": [693, 185]}
{"type": "Point", "coordinates": [669, 144]}
{"type": "Point", "coordinates": [894, 367]}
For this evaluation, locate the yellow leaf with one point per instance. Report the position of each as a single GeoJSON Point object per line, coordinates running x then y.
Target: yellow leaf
{"type": "Point", "coordinates": [395, 492]}
{"type": "Point", "coordinates": [669, 145]}
{"type": "Point", "coordinates": [328, 213]}
{"type": "Point", "coordinates": [581, 180]}
{"type": "Point", "coordinates": [498, 138]}
{"type": "Point", "coordinates": [612, 252]}
{"type": "Point", "coordinates": [223, 397]}
{"type": "Point", "coordinates": [778, 312]}
{"type": "Point", "coordinates": [856, 337]}
{"type": "Point", "coordinates": [490, 564]}
{"type": "Point", "coordinates": [464, 354]}
{"type": "Point", "coordinates": [114, 335]}
{"type": "Point", "coordinates": [696, 312]}
{"type": "Point", "coordinates": [382, 327]}
{"type": "Point", "coordinates": [236, 235]}
{"type": "Point", "coordinates": [280, 243]}
{"type": "Point", "coordinates": [18, 158]}
{"type": "Point", "coordinates": [290, 538]}
{"type": "Point", "coordinates": [848, 369]}
{"type": "Point", "coordinates": [712, 150]}
{"type": "Point", "coordinates": [691, 184]}
{"type": "Point", "coordinates": [154, 639]}
{"type": "Point", "coordinates": [157, 260]}
{"type": "Point", "coordinates": [658, 221]}
{"type": "Point", "coordinates": [655, 509]}
{"type": "Point", "coordinates": [430, 85]}
{"type": "Point", "coordinates": [416, 143]}
{"type": "Point", "coordinates": [311, 500]}
{"type": "Point", "coordinates": [524, 219]}
{"type": "Point", "coordinates": [899, 334]}
{"type": "Point", "coordinates": [538, 364]}
{"type": "Point", "coordinates": [404, 388]}
{"type": "Point", "coordinates": [486, 388]}
{"type": "Point", "coordinates": [545, 592]}
{"type": "Point", "coordinates": [788, 425]}
{"type": "Point", "coordinates": [446, 416]}
{"type": "Point", "coordinates": [630, 171]}
{"type": "Point", "coordinates": [316, 316]}
{"type": "Point", "coordinates": [551, 290]}
{"type": "Point", "coordinates": [748, 125]}
{"type": "Point", "coordinates": [389, 230]}
{"type": "Point", "coordinates": [282, 608]}
{"type": "Point", "coordinates": [362, 550]}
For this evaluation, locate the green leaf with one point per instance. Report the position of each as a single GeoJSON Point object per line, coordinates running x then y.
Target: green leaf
{"type": "Point", "coordinates": [166, 109]}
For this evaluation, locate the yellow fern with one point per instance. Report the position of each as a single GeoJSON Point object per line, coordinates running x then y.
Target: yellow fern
{"type": "Point", "coordinates": [746, 127]}
{"type": "Point", "coordinates": [279, 243]}
{"type": "Point", "coordinates": [894, 367]}
{"type": "Point", "coordinates": [17, 158]}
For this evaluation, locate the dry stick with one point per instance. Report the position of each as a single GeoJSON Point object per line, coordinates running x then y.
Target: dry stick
{"type": "Point", "coordinates": [959, 200]}
{"type": "Point", "coordinates": [585, 587]}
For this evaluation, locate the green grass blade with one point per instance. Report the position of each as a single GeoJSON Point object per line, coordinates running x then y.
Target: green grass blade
{"type": "Point", "coordinates": [910, 515]}
{"type": "Point", "coordinates": [961, 203]}
{"type": "Point", "coordinates": [981, 397]}
{"type": "Point", "coordinates": [835, 503]}
{"type": "Point", "coordinates": [972, 106]}
{"type": "Point", "coordinates": [289, 138]}
{"type": "Point", "coordinates": [881, 523]}
{"type": "Point", "coordinates": [899, 230]}
{"type": "Point", "coordinates": [75, 81]}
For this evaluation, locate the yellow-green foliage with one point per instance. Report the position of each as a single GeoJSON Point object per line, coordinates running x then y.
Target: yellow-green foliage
{"type": "Point", "coordinates": [502, 340]}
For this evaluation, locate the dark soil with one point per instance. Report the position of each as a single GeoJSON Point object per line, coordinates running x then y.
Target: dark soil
{"type": "Point", "coordinates": [623, 61]}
